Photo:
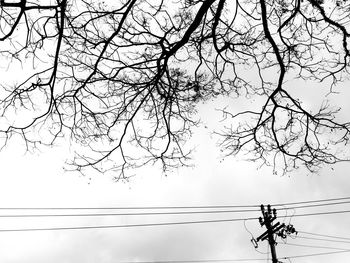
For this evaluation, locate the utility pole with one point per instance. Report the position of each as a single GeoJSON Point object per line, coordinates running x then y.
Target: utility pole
{"type": "Point", "coordinates": [269, 216]}
{"type": "Point", "coordinates": [281, 230]}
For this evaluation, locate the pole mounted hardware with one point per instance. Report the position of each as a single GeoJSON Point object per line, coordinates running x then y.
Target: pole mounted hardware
{"type": "Point", "coordinates": [272, 229]}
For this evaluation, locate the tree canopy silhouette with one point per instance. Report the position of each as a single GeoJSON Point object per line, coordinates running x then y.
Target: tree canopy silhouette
{"type": "Point", "coordinates": [122, 78]}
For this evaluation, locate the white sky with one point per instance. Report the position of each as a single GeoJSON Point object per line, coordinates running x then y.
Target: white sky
{"type": "Point", "coordinates": [38, 180]}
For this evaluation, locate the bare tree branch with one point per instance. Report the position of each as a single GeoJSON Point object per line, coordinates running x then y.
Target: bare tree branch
{"type": "Point", "coordinates": [121, 80]}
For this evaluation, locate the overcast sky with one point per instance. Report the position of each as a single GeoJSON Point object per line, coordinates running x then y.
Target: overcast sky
{"type": "Point", "coordinates": [39, 181]}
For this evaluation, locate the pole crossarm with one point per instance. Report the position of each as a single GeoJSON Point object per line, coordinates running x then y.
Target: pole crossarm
{"type": "Point", "coordinates": [272, 230]}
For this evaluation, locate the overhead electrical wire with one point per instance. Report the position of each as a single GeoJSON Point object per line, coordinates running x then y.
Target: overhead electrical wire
{"type": "Point", "coordinates": [323, 235]}
{"type": "Point", "coordinates": [311, 246]}
{"type": "Point", "coordinates": [157, 224]}
{"type": "Point", "coordinates": [126, 214]}
{"type": "Point", "coordinates": [161, 213]}
{"type": "Point", "coordinates": [176, 212]}
{"type": "Point", "coordinates": [323, 239]}
{"type": "Point", "coordinates": [312, 201]}
{"type": "Point", "coordinates": [323, 213]}
{"type": "Point", "coordinates": [249, 208]}
{"type": "Point", "coordinates": [131, 207]}
{"type": "Point", "coordinates": [196, 261]}
{"type": "Point", "coordinates": [181, 207]}
{"type": "Point", "coordinates": [315, 205]}
{"type": "Point", "coordinates": [127, 225]}
{"type": "Point", "coordinates": [315, 254]}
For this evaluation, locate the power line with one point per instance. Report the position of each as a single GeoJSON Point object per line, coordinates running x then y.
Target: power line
{"type": "Point", "coordinates": [154, 213]}
{"type": "Point", "coordinates": [147, 213]}
{"type": "Point", "coordinates": [323, 213]}
{"type": "Point", "coordinates": [125, 214]}
{"type": "Point", "coordinates": [183, 207]}
{"type": "Point", "coordinates": [157, 213]}
{"type": "Point", "coordinates": [131, 207]}
{"type": "Point", "coordinates": [323, 239]}
{"type": "Point", "coordinates": [315, 205]}
{"type": "Point", "coordinates": [197, 261]}
{"type": "Point", "coordinates": [323, 235]}
{"type": "Point", "coordinates": [127, 226]}
{"type": "Point", "coordinates": [311, 246]}
{"type": "Point", "coordinates": [312, 201]}
{"type": "Point", "coordinates": [316, 254]}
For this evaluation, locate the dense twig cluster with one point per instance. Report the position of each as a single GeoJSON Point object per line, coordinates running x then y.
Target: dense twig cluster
{"type": "Point", "coordinates": [123, 78]}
